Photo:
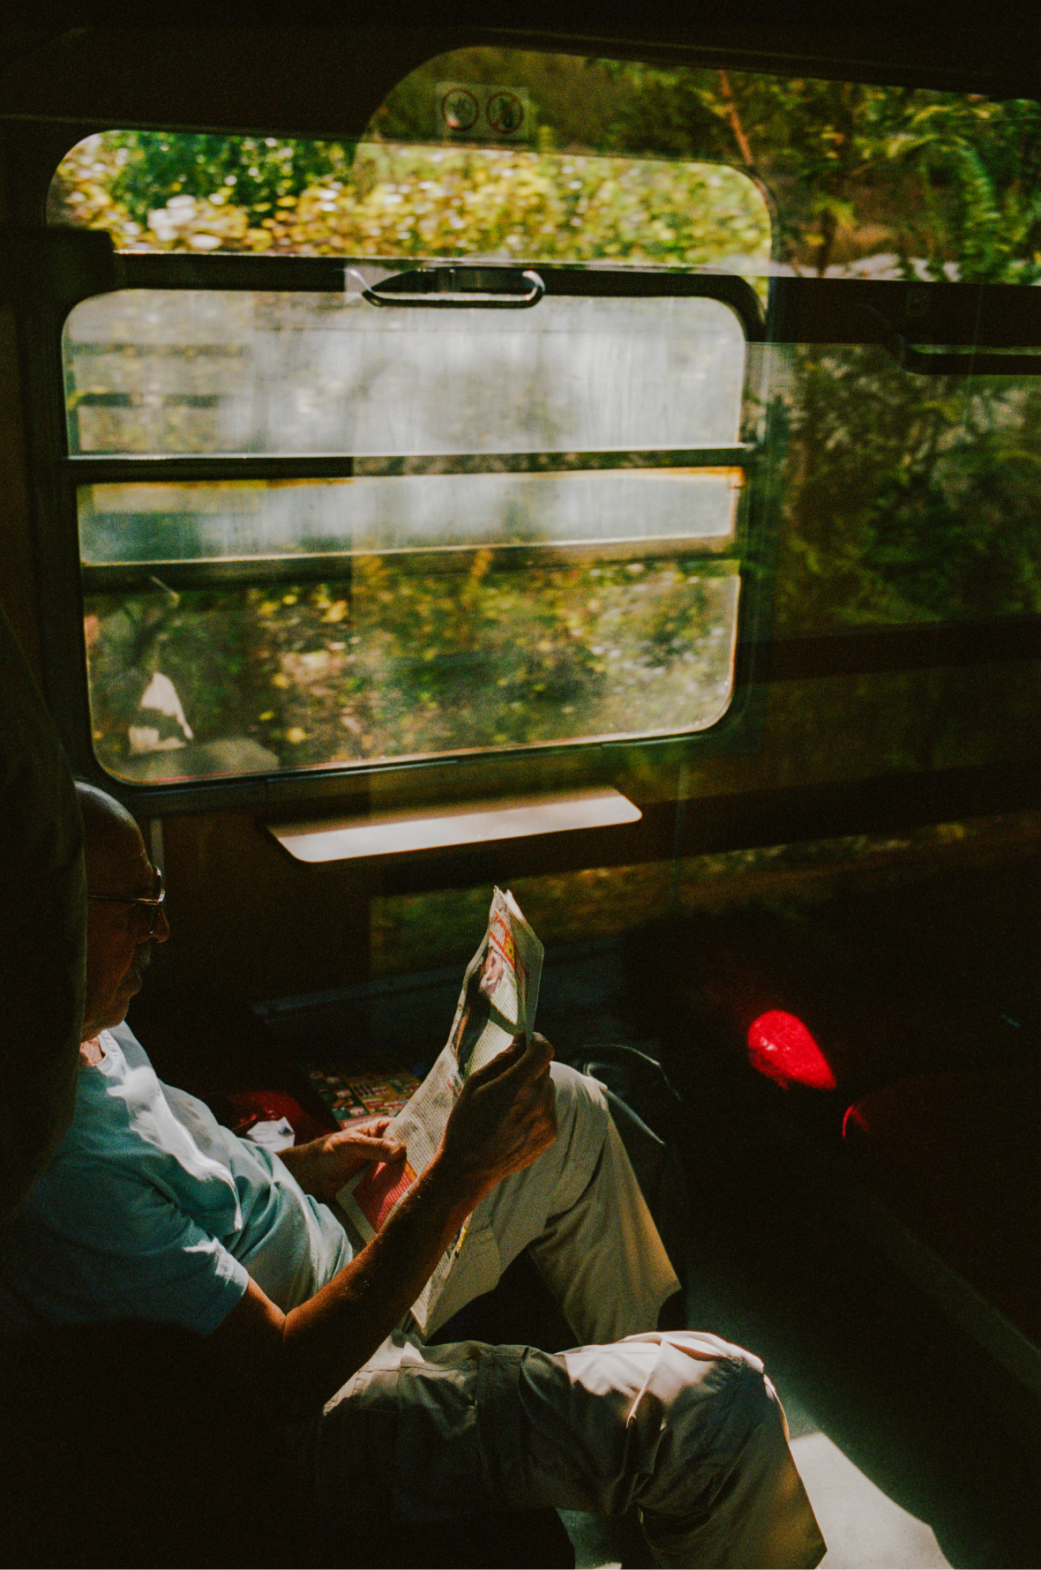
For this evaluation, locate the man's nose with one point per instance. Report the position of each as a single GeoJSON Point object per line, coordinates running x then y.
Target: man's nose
{"type": "Point", "coordinates": [161, 930]}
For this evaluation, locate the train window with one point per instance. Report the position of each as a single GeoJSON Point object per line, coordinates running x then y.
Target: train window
{"type": "Point", "coordinates": [350, 522]}
{"type": "Point", "coordinates": [629, 404]}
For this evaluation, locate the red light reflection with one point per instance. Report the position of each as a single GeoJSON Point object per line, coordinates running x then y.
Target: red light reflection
{"type": "Point", "coordinates": [780, 1046]}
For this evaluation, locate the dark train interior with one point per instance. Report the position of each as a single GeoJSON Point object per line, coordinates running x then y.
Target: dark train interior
{"type": "Point", "coordinates": [660, 547]}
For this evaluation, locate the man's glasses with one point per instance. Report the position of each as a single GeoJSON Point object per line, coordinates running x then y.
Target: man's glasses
{"type": "Point", "coordinates": [145, 906]}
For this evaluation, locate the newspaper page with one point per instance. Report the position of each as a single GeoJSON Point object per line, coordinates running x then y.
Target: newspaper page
{"type": "Point", "coordinates": [497, 1002]}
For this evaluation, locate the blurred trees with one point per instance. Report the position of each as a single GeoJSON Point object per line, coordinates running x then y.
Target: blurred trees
{"type": "Point", "coordinates": [906, 497]}
{"type": "Point", "coordinates": [932, 181]}
{"type": "Point", "coordinates": [393, 199]}
{"type": "Point", "coordinates": [949, 181]}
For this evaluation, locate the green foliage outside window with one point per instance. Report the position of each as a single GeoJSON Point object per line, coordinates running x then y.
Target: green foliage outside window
{"type": "Point", "coordinates": [936, 182]}
{"type": "Point", "coordinates": [398, 200]}
{"type": "Point", "coordinates": [948, 181]}
{"type": "Point", "coordinates": [907, 498]}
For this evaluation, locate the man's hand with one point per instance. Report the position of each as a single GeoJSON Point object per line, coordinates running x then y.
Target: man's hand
{"type": "Point", "coordinates": [505, 1117]}
{"type": "Point", "coordinates": [324, 1165]}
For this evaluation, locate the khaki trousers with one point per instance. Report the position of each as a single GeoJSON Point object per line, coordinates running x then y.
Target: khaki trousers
{"type": "Point", "coordinates": [681, 1425]}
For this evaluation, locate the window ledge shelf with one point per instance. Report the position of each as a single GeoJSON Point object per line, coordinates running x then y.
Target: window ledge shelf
{"type": "Point", "coordinates": [469, 823]}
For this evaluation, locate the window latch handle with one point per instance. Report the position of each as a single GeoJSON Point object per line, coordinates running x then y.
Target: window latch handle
{"type": "Point", "coordinates": [468, 287]}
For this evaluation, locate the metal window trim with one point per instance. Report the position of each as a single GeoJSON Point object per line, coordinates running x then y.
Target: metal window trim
{"type": "Point", "coordinates": [218, 272]}
{"type": "Point", "coordinates": [905, 317]}
{"type": "Point", "coordinates": [111, 468]}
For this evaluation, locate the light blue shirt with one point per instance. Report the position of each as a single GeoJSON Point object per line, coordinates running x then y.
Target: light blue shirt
{"type": "Point", "coordinates": [150, 1209]}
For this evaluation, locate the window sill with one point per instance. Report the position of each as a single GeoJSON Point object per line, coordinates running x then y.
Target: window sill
{"type": "Point", "coordinates": [469, 823]}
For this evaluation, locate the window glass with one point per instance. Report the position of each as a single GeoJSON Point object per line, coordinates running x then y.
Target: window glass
{"type": "Point", "coordinates": [388, 664]}
{"type": "Point", "coordinates": [908, 497]}
{"type": "Point", "coordinates": [613, 515]}
{"type": "Point", "coordinates": [160, 192]}
{"type": "Point", "coordinates": [179, 371]}
{"type": "Point", "coordinates": [525, 550]}
{"type": "Point", "coordinates": [531, 534]}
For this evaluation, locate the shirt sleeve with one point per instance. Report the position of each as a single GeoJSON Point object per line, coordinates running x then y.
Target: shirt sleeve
{"type": "Point", "coordinates": [109, 1247]}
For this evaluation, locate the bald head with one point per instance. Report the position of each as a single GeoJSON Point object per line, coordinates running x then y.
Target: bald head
{"type": "Point", "coordinates": [118, 943]}
{"type": "Point", "coordinates": [107, 825]}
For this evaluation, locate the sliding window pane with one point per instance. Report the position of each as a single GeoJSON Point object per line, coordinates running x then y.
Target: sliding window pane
{"type": "Point", "coordinates": [617, 511]}
{"type": "Point", "coordinates": [197, 371]}
{"type": "Point", "coordinates": [391, 665]}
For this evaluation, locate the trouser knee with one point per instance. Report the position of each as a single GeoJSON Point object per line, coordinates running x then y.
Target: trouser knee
{"type": "Point", "coordinates": [579, 1098]}
{"type": "Point", "coordinates": [691, 1424]}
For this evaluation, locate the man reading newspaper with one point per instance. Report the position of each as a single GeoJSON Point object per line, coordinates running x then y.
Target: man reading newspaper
{"type": "Point", "coordinates": [150, 1209]}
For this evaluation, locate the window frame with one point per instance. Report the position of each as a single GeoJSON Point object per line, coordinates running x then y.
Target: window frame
{"type": "Point", "coordinates": [52, 269]}
{"type": "Point", "coordinates": [88, 266]}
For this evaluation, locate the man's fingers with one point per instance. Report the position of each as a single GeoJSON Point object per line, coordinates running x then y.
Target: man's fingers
{"type": "Point", "coordinates": [373, 1128]}
{"type": "Point", "coordinates": [384, 1148]}
{"type": "Point", "coordinates": [532, 1062]}
{"type": "Point", "coordinates": [393, 1150]}
{"type": "Point", "coordinates": [389, 1149]}
{"type": "Point", "coordinates": [499, 1065]}
{"type": "Point", "coordinates": [506, 1115]}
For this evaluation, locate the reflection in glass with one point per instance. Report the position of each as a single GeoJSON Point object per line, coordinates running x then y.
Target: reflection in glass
{"type": "Point", "coordinates": [907, 497]}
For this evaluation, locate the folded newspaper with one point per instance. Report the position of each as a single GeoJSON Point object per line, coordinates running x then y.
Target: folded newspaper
{"type": "Point", "coordinates": [497, 1002]}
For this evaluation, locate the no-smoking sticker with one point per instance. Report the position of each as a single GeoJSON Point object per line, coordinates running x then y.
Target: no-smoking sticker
{"type": "Point", "coordinates": [505, 113]}
{"type": "Point", "coordinates": [486, 113]}
{"type": "Point", "coordinates": [460, 109]}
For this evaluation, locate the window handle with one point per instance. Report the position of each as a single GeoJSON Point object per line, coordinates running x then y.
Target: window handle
{"type": "Point", "coordinates": [487, 288]}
